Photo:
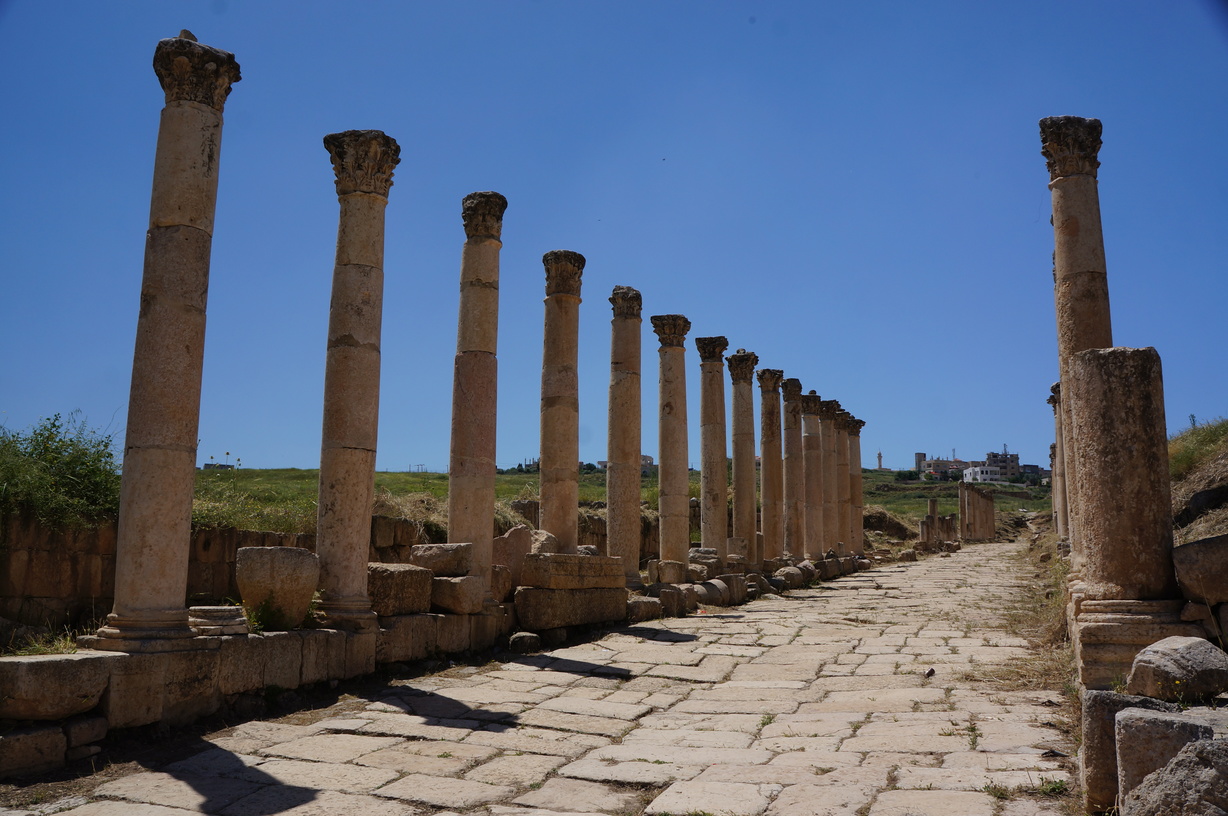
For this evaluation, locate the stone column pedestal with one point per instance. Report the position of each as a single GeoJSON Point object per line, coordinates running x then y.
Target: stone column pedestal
{"type": "Point", "coordinates": [771, 466]}
{"type": "Point", "coordinates": [623, 470]}
{"type": "Point", "coordinates": [741, 372]}
{"type": "Point", "coordinates": [794, 468]}
{"type": "Point", "coordinates": [814, 534]}
{"type": "Point", "coordinates": [471, 469]}
{"type": "Point", "coordinates": [714, 463]}
{"type": "Point", "coordinates": [673, 467]}
{"type": "Point", "coordinates": [560, 412]}
{"type": "Point", "coordinates": [155, 514]}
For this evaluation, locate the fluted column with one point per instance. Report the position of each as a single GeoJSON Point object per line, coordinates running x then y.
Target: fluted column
{"type": "Point", "coordinates": [623, 469]}
{"type": "Point", "coordinates": [771, 465]}
{"type": "Point", "coordinates": [812, 452]}
{"type": "Point", "coordinates": [828, 460]}
{"type": "Point", "coordinates": [1057, 479]}
{"type": "Point", "coordinates": [741, 372]}
{"type": "Point", "coordinates": [714, 463]}
{"type": "Point", "coordinates": [363, 161]}
{"type": "Point", "coordinates": [1070, 145]}
{"type": "Point", "coordinates": [155, 514]}
{"type": "Point", "coordinates": [857, 507]}
{"type": "Point", "coordinates": [673, 475]}
{"type": "Point", "coordinates": [560, 414]}
{"type": "Point", "coordinates": [475, 380]}
{"type": "Point", "coordinates": [795, 481]}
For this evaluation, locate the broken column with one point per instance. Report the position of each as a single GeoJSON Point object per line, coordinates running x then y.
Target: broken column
{"type": "Point", "coordinates": [771, 467]}
{"type": "Point", "coordinates": [623, 470]}
{"type": "Point", "coordinates": [673, 467]}
{"type": "Point", "coordinates": [795, 483]}
{"type": "Point", "coordinates": [159, 475]}
{"type": "Point", "coordinates": [714, 464]}
{"type": "Point", "coordinates": [560, 411]}
{"type": "Point", "coordinates": [363, 161]}
{"type": "Point", "coordinates": [812, 454]}
{"type": "Point", "coordinates": [830, 508]}
{"type": "Point", "coordinates": [471, 467]}
{"type": "Point", "coordinates": [741, 372]}
{"type": "Point", "coordinates": [1057, 479]}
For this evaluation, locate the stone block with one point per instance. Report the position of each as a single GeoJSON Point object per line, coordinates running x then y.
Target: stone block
{"type": "Point", "coordinates": [737, 588]}
{"type": "Point", "coordinates": [691, 596]}
{"type": "Point", "coordinates": [406, 637]}
{"type": "Point", "coordinates": [486, 627]}
{"type": "Point", "coordinates": [641, 609]}
{"type": "Point", "coordinates": [696, 573]}
{"type": "Point", "coordinates": [1110, 634]}
{"type": "Point", "coordinates": [544, 542]}
{"type": "Point", "coordinates": [1194, 782]}
{"type": "Point", "coordinates": [511, 548]}
{"type": "Point", "coordinates": [84, 730]}
{"type": "Point", "coordinates": [501, 585]}
{"type": "Point", "coordinates": [1202, 569]}
{"type": "Point", "coordinates": [283, 660]}
{"type": "Point", "coordinates": [25, 751]}
{"type": "Point", "coordinates": [277, 583]}
{"type": "Point", "coordinates": [538, 609]}
{"type": "Point", "coordinates": [241, 660]}
{"type": "Point", "coordinates": [907, 555]}
{"type": "Point", "coordinates": [525, 643]}
{"type": "Point", "coordinates": [709, 593]}
{"type": "Point", "coordinates": [459, 596]}
{"type": "Point", "coordinates": [82, 752]}
{"type": "Point", "coordinates": [399, 589]}
{"type": "Point", "coordinates": [1147, 740]}
{"type": "Point", "coordinates": [444, 560]}
{"type": "Point", "coordinates": [810, 572]}
{"type": "Point", "coordinates": [672, 599]}
{"type": "Point", "coordinates": [134, 694]}
{"type": "Point", "coordinates": [566, 571]}
{"type": "Point", "coordinates": [829, 569]}
{"type": "Point", "coordinates": [1098, 755]}
{"type": "Point", "coordinates": [453, 633]}
{"type": "Point", "coordinates": [359, 653]}
{"type": "Point", "coordinates": [671, 572]}
{"type": "Point", "coordinates": [51, 687]}
{"type": "Point", "coordinates": [323, 655]}
{"type": "Point", "coordinates": [190, 688]}
{"type": "Point", "coordinates": [1184, 669]}
{"type": "Point", "coordinates": [792, 576]}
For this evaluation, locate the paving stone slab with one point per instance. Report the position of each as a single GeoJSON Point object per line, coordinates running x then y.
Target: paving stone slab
{"type": "Point", "coordinates": [578, 795]}
{"type": "Point", "coordinates": [640, 773]}
{"type": "Point", "coordinates": [444, 792]}
{"type": "Point", "coordinates": [213, 762]}
{"type": "Point", "coordinates": [330, 747]}
{"type": "Point", "coordinates": [537, 741]}
{"type": "Point", "coordinates": [974, 780]}
{"type": "Point", "coordinates": [814, 800]}
{"type": "Point", "coordinates": [726, 798]}
{"type": "Point", "coordinates": [516, 770]}
{"type": "Point", "coordinates": [204, 794]}
{"type": "Point", "coordinates": [583, 723]}
{"type": "Point", "coordinates": [712, 669]}
{"type": "Point", "coordinates": [285, 801]}
{"type": "Point", "coordinates": [595, 708]}
{"type": "Point", "coordinates": [402, 761]}
{"type": "Point", "coordinates": [683, 738]}
{"type": "Point", "coordinates": [932, 803]}
{"type": "Point", "coordinates": [425, 728]}
{"type": "Point", "coordinates": [115, 809]}
{"type": "Point", "coordinates": [319, 775]}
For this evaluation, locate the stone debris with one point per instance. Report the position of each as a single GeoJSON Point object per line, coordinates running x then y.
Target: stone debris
{"type": "Point", "coordinates": [1185, 669]}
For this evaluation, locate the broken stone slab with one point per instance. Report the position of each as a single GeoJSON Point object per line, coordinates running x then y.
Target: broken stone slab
{"type": "Point", "coordinates": [1098, 755]}
{"type": "Point", "coordinates": [444, 560]}
{"type": "Point", "coordinates": [737, 587]}
{"type": "Point", "coordinates": [670, 572]}
{"type": "Point", "coordinates": [1178, 668]}
{"type": "Point", "coordinates": [1202, 569]}
{"type": "Point", "coordinates": [276, 584]}
{"type": "Point", "coordinates": [696, 573]}
{"type": "Point", "coordinates": [458, 595]}
{"type": "Point", "coordinates": [50, 687]}
{"type": "Point", "coordinates": [25, 751]}
{"type": "Point", "coordinates": [571, 571]}
{"type": "Point", "coordinates": [511, 548]}
{"type": "Point", "coordinates": [1147, 740]}
{"type": "Point", "coordinates": [907, 555]}
{"type": "Point", "coordinates": [640, 608]}
{"type": "Point", "coordinates": [217, 620]}
{"type": "Point", "coordinates": [829, 569]}
{"type": "Point", "coordinates": [792, 577]}
{"type": "Point", "coordinates": [544, 542]}
{"type": "Point", "coordinates": [810, 572]}
{"type": "Point", "coordinates": [539, 609]}
{"type": "Point", "coordinates": [1195, 781]}
{"type": "Point", "coordinates": [672, 599]}
{"type": "Point", "coordinates": [399, 589]}
{"type": "Point", "coordinates": [501, 583]}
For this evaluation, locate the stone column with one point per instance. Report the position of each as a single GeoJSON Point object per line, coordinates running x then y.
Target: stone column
{"type": "Point", "coordinates": [363, 161]}
{"type": "Point", "coordinates": [830, 508]}
{"type": "Point", "coordinates": [771, 466]}
{"type": "Point", "coordinates": [471, 468]}
{"type": "Point", "coordinates": [741, 372]}
{"type": "Point", "coordinates": [672, 467]}
{"type": "Point", "coordinates": [857, 522]}
{"type": "Point", "coordinates": [560, 414]}
{"type": "Point", "coordinates": [795, 480]}
{"type": "Point", "coordinates": [813, 534]}
{"type": "Point", "coordinates": [844, 503]}
{"type": "Point", "coordinates": [155, 512]}
{"type": "Point", "coordinates": [1070, 145]}
{"type": "Point", "coordinates": [623, 470]}
{"type": "Point", "coordinates": [964, 529]}
{"type": "Point", "coordinates": [714, 464]}
{"type": "Point", "coordinates": [1057, 481]}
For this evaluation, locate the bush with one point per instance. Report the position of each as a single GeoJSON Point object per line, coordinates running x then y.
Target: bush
{"type": "Point", "coordinates": [61, 470]}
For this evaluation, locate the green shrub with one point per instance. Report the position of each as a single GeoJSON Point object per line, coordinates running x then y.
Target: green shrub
{"type": "Point", "coordinates": [61, 470]}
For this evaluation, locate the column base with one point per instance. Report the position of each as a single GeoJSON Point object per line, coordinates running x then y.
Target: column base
{"type": "Point", "coordinates": [162, 631]}
{"type": "Point", "coordinates": [350, 617]}
{"type": "Point", "coordinates": [1108, 635]}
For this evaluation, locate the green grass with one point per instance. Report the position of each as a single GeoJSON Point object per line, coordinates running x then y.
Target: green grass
{"type": "Point", "coordinates": [1195, 446]}
{"type": "Point", "coordinates": [909, 500]}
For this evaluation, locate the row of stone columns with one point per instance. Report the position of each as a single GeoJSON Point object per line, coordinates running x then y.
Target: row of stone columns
{"type": "Point", "coordinates": [976, 513]}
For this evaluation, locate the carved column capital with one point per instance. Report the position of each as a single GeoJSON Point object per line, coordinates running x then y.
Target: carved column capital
{"type": "Point", "coordinates": [627, 302]}
{"type": "Point", "coordinates": [363, 161]}
{"type": "Point", "coordinates": [791, 389]}
{"type": "Point", "coordinates": [711, 348]}
{"type": "Point", "coordinates": [563, 271]}
{"type": "Point", "coordinates": [1070, 145]}
{"type": "Point", "coordinates": [828, 409]}
{"type": "Point", "coordinates": [1055, 396]}
{"type": "Point", "coordinates": [671, 329]}
{"type": "Point", "coordinates": [742, 365]}
{"type": "Point", "coordinates": [769, 379]}
{"type": "Point", "coordinates": [811, 403]}
{"type": "Point", "coordinates": [191, 72]}
{"type": "Point", "coordinates": [482, 214]}
{"type": "Point", "coordinates": [855, 425]}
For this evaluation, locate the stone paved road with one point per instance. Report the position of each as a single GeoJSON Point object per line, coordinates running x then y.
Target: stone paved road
{"type": "Point", "coordinates": [817, 704]}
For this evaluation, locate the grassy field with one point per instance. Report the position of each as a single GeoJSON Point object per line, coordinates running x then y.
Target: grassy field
{"type": "Point", "coordinates": [909, 500]}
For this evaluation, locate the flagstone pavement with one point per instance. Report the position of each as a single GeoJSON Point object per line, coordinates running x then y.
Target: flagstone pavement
{"type": "Point", "coordinates": [847, 699]}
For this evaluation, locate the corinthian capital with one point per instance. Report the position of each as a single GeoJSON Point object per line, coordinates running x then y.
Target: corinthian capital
{"type": "Point", "coordinates": [828, 409]}
{"type": "Point", "coordinates": [363, 161]}
{"type": "Point", "coordinates": [811, 403]}
{"type": "Point", "coordinates": [482, 214]}
{"type": "Point", "coordinates": [769, 379]}
{"type": "Point", "coordinates": [791, 389]}
{"type": "Point", "coordinates": [191, 72]}
{"type": "Point", "coordinates": [627, 302]}
{"type": "Point", "coordinates": [563, 271]}
{"type": "Point", "coordinates": [855, 425]}
{"type": "Point", "coordinates": [742, 365]}
{"type": "Point", "coordinates": [1070, 145]}
{"type": "Point", "coordinates": [711, 348]}
{"type": "Point", "coordinates": [1055, 396]}
{"type": "Point", "coordinates": [671, 329]}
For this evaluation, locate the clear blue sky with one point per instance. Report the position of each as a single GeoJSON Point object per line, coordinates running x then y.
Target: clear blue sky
{"type": "Point", "coordinates": [854, 191]}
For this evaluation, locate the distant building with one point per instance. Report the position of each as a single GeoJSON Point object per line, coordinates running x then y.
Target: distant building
{"type": "Point", "coordinates": [984, 473]}
{"type": "Point", "coordinates": [1007, 463]}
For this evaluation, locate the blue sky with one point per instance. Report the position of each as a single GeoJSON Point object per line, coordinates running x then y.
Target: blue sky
{"type": "Point", "coordinates": [854, 191]}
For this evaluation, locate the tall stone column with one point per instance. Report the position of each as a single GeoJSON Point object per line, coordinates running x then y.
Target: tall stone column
{"type": "Point", "coordinates": [844, 503]}
{"type": "Point", "coordinates": [155, 512]}
{"type": "Point", "coordinates": [795, 479]}
{"type": "Point", "coordinates": [363, 161]}
{"type": "Point", "coordinates": [1057, 480]}
{"type": "Point", "coordinates": [857, 523]}
{"type": "Point", "coordinates": [471, 468]}
{"type": "Point", "coordinates": [814, 533]}
{"type": "Point", "coordinates": [714, 464]}
{"type": "Point", "coordinates": [1070, 145]}
{"type": "Point", "coordinates": [964, 529]}
{"type": "Point", "coordinates": [623, 470]}
{"type": "Point", "coordinates": [771, 465]}
{"type": "Point", "coordinates": [828, 459]}
{"type": "Point", "coordinates": [673, 474]}
{"type": "Point", "coordinates": [742, 371]}
{"type": "Point", "coordinates": [560, 414]}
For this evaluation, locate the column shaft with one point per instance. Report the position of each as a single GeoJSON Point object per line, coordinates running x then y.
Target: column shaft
{"type": "Point", "coordinates": [673, 467]}
{"type": "Point", "coordinates": [623, 470]}
{"type": "Point", "coordinates": [771, 466]}
{"type": "Point", "coordinates": [1057, 479]}
{"type": "Point", "coordinates": [828, 459]}
{"type": "Point", "coordinates": [560, 412]}
{"type": "Point", "coordinates": [714, 462]}
{"type": "Point", "coordinates": [794, 467]}
{"type": "Point", "coordinates": [814, 534]}
{"type": "Point", "coordinates": [857, 529]}
{"type": "Point", "coordinates": [741, 371]}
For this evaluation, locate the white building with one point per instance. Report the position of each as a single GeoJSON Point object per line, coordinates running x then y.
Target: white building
{"type": "Point", "coordinates": [984, 473]}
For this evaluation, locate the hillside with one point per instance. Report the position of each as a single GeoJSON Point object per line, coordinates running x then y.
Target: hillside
{"type": "Point", "coordinates": [1198, 461]}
